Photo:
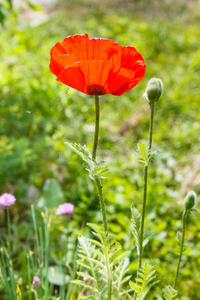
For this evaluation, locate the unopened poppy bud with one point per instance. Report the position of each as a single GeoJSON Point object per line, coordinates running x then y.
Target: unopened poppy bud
{"type": "Point", "coordinates": [154, 90]}
{"type": "Point", "coordinates": [190, 200]}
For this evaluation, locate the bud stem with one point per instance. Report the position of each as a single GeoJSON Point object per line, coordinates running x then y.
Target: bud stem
{"type": "Point", "coordinates": [181, 249]}
{"type": "Point", "coordinates": [152, 106]}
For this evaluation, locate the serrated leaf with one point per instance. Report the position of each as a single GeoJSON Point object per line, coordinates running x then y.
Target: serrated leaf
{"type": "Point", "coordinates": [85, 285]}
{"type": "Point", "coordinates": [83, 265]}
{"type": "Point", "coordinates": [95, 169]}
{"type": "Point", "coordinates": [169, 293]}
{"type": "Point", "coordinates": [119, 258]}
{"type": "Point", "coordinates": [145, 242]}
{"type": "Point", "coordinates": [82, 274]}
{"type": "Point", "coordinates": [142, 153]}
{"type": "Point", "coordinates": [136, 224]}
{"type": "Point", "coordinates": [135, 286]}
{"type": "Point", "coordinates": [144, 282]}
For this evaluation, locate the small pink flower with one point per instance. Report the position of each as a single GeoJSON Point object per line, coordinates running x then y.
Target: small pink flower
{"type": "Point", "coordinates": [65, 209]}
{"type": "Point", "coordinates": [36, 281]}
{"type": "Point", "coordinates": [85, 278]}
{"type": "Point", "coordinates": [6, 200]}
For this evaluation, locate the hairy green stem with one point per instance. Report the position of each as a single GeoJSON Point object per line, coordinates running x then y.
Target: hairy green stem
{"type": "Point", "coordinates": [181, 249]}
{"type": "Point", "coordinates": [102, 205]}
{"type": "Point", "coordinates": [100, 191]}
{"type": "Point", "coordinates": [96, 133]}
{"type": "Point", "coordinates": [94, 152]}
{"type": "Point", "coordinates": [152, 105]}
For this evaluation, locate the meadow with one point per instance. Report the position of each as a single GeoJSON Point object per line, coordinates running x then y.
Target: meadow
{"type": "Point", "coordinates": [39, 115]}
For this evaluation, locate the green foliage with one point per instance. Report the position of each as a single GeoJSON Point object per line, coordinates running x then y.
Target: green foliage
{"type": "Point", "coordinates": [169, 293]}
{"type": "Point", "coordinates": [52, 194]}
{"type": "Point", "coordinates": [96, 170]}
{"type": "Point", "coordinates": [136, 226]}
{"type": "Point", "coordinates": [144, 155]}
{"type": "Point", "coordinates": [103, 261]}
{"type": "Point", "coordinates": [145, 281]}
{"type": "Point", "coordinates": [57, 276]}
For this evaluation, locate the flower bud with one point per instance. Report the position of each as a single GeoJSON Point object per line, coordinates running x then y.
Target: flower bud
{"type": "Point", "coordinates": [36, 281]}
{"type": "Point", "coordinates": [190, 200]}
{"type": "Point", "coordinates": [153, 90]}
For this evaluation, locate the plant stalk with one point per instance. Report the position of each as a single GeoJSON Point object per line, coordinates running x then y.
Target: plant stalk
{"type": "Point", "coordinates": [181, 249]}
{"type": "Point", "coordinates": [94, 152]}
{"type": "Point", "coordinates": [9, 232]}
{"type": "Point", "coordinates": [47, 223]}
{"type": "Point", "coordinates": [152, 106]}
{"type": "Point", "coordinates": [100, 191]}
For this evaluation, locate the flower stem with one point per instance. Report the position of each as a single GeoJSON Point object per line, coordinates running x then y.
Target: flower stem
{"type": "Point", "coordinates": [9, 255]}
{"type": "Point", "coordinates": [96, 133]}
{"type": "Point", "coordinates": [152, 105]}
{"type": "Point", "coordinates": [100, 191]}
{"type": "Point", "coordinates": [181, 249]}
{"type": "Point", "coordinates": [98, 181]}
{"type": "Point", "coordinates": [29, 278]}
{"type": "Point", "coordinates": [47, 222]}
{"type": "Point", "coordinates": [9, 232]}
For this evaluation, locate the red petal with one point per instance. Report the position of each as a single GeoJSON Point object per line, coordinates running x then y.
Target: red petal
{"type": "Point", "coordinates": [130, 57]}
{"type": "Point", "coordinates": [57, 49]}
{"type": "Point", "coordinates": [133, 81]}
{"type": "Point", "coordinates": [61, 61]}
{"type": "Point", "coordinates": [94, 72]}
{"type": "Point", "coordinates": [88, 48]}
{"type": "Point", "coordinates": [73, 77]}
{"type": "Point", "coordinates": [132, 60]}
{"type": "Point", "coordinates": [117, 80]}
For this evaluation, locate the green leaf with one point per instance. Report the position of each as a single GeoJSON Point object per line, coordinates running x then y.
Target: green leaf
{"type": "Point", "coordinates": [82, 274]}
{"type": "Point", "coordinates": [144, 282]}
{"type": "Point", "coordinates": [169, 293]}
{"type": "Point", "coordinates": [56, 276]}
{"type": "Point", "coordinates": [142, 153]}
{"type": "Point", "coordinates": [136, 223]}
{"type": "Point", "coordinates": [85, 285]}
{"type": "Point", "coordinates": [96, 170]}
{"type": "Point", "coordinates": [52, 194]}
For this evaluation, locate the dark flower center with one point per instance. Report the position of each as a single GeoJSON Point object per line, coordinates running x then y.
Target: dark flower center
{"type": "Point", "coordinates": [95, 89]}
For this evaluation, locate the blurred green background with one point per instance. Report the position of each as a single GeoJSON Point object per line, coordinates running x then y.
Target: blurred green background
{"type": "Point", "coordinates": [37, 115]}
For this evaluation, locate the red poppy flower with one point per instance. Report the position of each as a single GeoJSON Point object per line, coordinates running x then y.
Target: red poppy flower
{"type": "Point", "coordinates": [96, 66]}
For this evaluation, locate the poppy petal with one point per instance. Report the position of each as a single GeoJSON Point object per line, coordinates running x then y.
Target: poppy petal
{"type": "Point", "coordinates": [130, 57]}
{"type": "Point", "coordinates": [118, 80]}
{"type": "Point", "coordinates": [73, 77]}
{"type": "Point", "coordinates": [88, 48]}
{"type": "Point", "coordinates": [61, 61]}
{"type": "Point", "coordinates": [133, 81]}
{"type": "Point", "coordinates": [95, 74]}
{"type": "Point", "coordinates": [57, 49]}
